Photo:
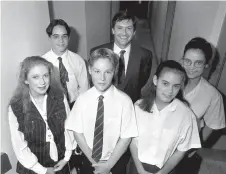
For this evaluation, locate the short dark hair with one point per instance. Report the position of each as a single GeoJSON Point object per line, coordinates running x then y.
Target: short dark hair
{"type": "Point", "coordinates": [123, 15]}
{"type": "Point", "coordinates": [201, 44]}
{"type": "Point", "coordinates": [56, 22]}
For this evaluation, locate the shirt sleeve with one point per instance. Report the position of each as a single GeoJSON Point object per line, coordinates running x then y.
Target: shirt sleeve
{"type": "Point", "coordinates": [129, 124]}
{"type": "Point", "coordinates": [70, 142]}
{"type": "Point", "coordinates": [20, 147]}
{"type": "Point", "coordinates": [81, 74]}
{"type": "Point", "coordinates": [215, 117]}
{"type": "Point", "coordinates": [189, 136]}
{"type": "Point", "coordinates": [74, 121]}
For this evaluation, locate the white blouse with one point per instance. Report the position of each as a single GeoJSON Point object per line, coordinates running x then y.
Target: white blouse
{"type": "Point", "coordinates": [20, 146]}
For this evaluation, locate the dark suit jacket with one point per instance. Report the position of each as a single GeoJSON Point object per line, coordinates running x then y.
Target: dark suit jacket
{"type": "Point", "coordinates": [138, 69]}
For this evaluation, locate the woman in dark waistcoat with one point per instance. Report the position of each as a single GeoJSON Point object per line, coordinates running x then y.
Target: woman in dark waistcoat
{"type": "Point", "coordinates": [37, 112]}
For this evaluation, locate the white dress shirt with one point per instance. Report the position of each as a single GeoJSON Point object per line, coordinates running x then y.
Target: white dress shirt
{"type": "Point", "coordinates": [20, 146]}
{"type": "Point", "coordinates": [77, 72]}
{"type": "Point", "coordinates": [207, 104]}
{"type": "Point", "coordinates": [163, 132]}
{"type": "Point", "coordinates": [119, 118]}
{"type": "Point", "coordinates": [126, 54]}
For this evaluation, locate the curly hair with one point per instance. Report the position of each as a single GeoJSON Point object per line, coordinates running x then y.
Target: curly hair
{"type": "Point", "coordinates": [22, 89]}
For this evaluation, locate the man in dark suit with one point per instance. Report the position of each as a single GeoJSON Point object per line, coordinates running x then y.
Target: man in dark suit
{"type": "Point", "coordinates": [135, 61]}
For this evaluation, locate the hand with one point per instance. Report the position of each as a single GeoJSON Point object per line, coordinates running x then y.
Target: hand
{"type": "Point", "coordinates": [50, 170]}
{"type": "Point", "coordinates": [101, 167]}
{"type": "Point", "coordinates": [60, 165]}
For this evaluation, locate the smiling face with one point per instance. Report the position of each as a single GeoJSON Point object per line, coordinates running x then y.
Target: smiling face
{"type": "Point", "coordinates": [38, 80]}
{"type": "Point", "coordinates": [167, 85]}
{"type": "Point", "coordinates": [59, 39]}
{"type": "Point", "coordinates": [195, 56]}
{"type": "Point", "coordinates": [123, 32]}
{"type": "Point", "coordinates": [102, 72]}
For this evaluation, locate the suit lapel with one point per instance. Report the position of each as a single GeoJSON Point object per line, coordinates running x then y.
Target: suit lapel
{"type": "Point", "coordinates": [133, 63]}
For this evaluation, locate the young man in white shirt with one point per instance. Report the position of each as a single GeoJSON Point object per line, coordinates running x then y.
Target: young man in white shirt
{"type": "Point", "coordinates": [70, 67]}
{"type": "Point", "coordinates": [103, 118]}
{"type": "Point", "coordinates": [74, 80]}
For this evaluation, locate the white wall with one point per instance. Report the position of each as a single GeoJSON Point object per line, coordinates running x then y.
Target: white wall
{"type": "Point", "coordinates": [222, 51]}
{"type": "Point", "coordinates": [158, 20]}
{"type": "Point", "coordinates": [73, 12]}
{"type": "Point", "coordinates": [98, 19]}
{"type": "Point", "coordinates": [195, 18]}
{"type": "Point", "coordinates": [22, 34]}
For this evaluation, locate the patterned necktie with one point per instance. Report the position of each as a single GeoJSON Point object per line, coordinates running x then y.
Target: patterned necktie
{"type": "Point", "coordinates": [63, 76]}
{"type": "Point", "coordinates": [121, 70]}
{"type": "Point", "coordinates": [98, 133]}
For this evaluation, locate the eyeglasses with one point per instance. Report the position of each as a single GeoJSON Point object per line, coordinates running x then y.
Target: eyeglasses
{"type": "Point", "coordinates": [56, 36]}
{"type": "Point", "coordinates": [197, 63]}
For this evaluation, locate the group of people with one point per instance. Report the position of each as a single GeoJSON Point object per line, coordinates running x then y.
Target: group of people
{"type": "Point", "coordinates": [60, 117]}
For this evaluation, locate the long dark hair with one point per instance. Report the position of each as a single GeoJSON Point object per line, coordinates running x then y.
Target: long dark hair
{"type": "Point", "coordinates": [148, 99]}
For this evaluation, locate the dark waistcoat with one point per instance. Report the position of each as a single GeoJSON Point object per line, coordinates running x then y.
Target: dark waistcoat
{"type": "Point", "coordinates": [32, 125]}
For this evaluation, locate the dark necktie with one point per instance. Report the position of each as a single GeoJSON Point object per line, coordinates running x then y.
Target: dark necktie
{"type": "Point", "coordinates": [98, 133]}
{"type": "Point", "coordinates": [63, 76]}
{"type": "Point", "coordinates": [121, 70]}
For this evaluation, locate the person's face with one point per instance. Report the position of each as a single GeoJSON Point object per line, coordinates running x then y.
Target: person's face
{"type": "Point", "coordinates": [38, 80]}
{"type": "Point", "coordinates": [59, 39]}
{"type": "Point", "coordinates": [196, 58]}
{"type": "Point", "coordinates": [167, 85]}
{"type": "Point", "coordinates": [102, 73]}
{"type": "Point", "coordinates": [123, 32]}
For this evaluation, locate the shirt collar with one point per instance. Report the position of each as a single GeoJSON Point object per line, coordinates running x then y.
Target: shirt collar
{"type": "Point", "coordinates": [63, 56]}
{"type": "Point", "coordinates": [106, 94]}
{"type": "Point", "coordinates": [196, 88]}
{"type": "Point", "coordinates": [170, 107]}
{"type": "Point", "coordinates": [117, 49]}
{"type": "Point", "coordinates": [42, 112]}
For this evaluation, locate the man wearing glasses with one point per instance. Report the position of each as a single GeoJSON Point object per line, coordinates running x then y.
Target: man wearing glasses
{"type": "Point", "coordinates": [70, 69]}
{"type": "Point", "coordinates": [70, 66]}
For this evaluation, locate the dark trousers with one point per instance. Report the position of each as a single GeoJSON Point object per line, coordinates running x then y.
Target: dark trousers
{"type": "Point", "coordinates": [119, 168]}
{"type": "Point", "coordinates": [189, 165]}
{"type": "Point", "coordinates": [147, 167]}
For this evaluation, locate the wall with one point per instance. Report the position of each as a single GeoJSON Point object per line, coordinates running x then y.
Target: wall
{"type": "Point", "coordinates": [222, 52]}
{"type": "Point", "coordinates": [22, 34]}
{"type": "Point", "coordinates": [158, 20]}
{"type": "Point", "coordinates": [73, 12]}
{"type": "Point", "coordinates": [195, 18]}
{"type": "Point", "coordinates": [97, 23]}
{"type": "Point", "coordinates": [90, 20]}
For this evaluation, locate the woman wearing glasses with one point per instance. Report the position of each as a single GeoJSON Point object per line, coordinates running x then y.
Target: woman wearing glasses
{"type": "Point", "coordinates": [206, 102]}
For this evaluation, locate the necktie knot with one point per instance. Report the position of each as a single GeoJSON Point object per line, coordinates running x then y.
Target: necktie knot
{"type": "Point", "coordinates": [60, 59]}
{"type": "Point", "coordinates": [122, 52]}
{"type": "Point", "coordinates": [101, 97]}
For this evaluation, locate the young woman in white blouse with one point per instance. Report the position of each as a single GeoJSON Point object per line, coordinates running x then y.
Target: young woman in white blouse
{"type": "Point", "coordinates": [166, 125]}
{"type": "Point", "coordinates": [206, 102]}
{"type": "Point", "coordinates": [37, 112]}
